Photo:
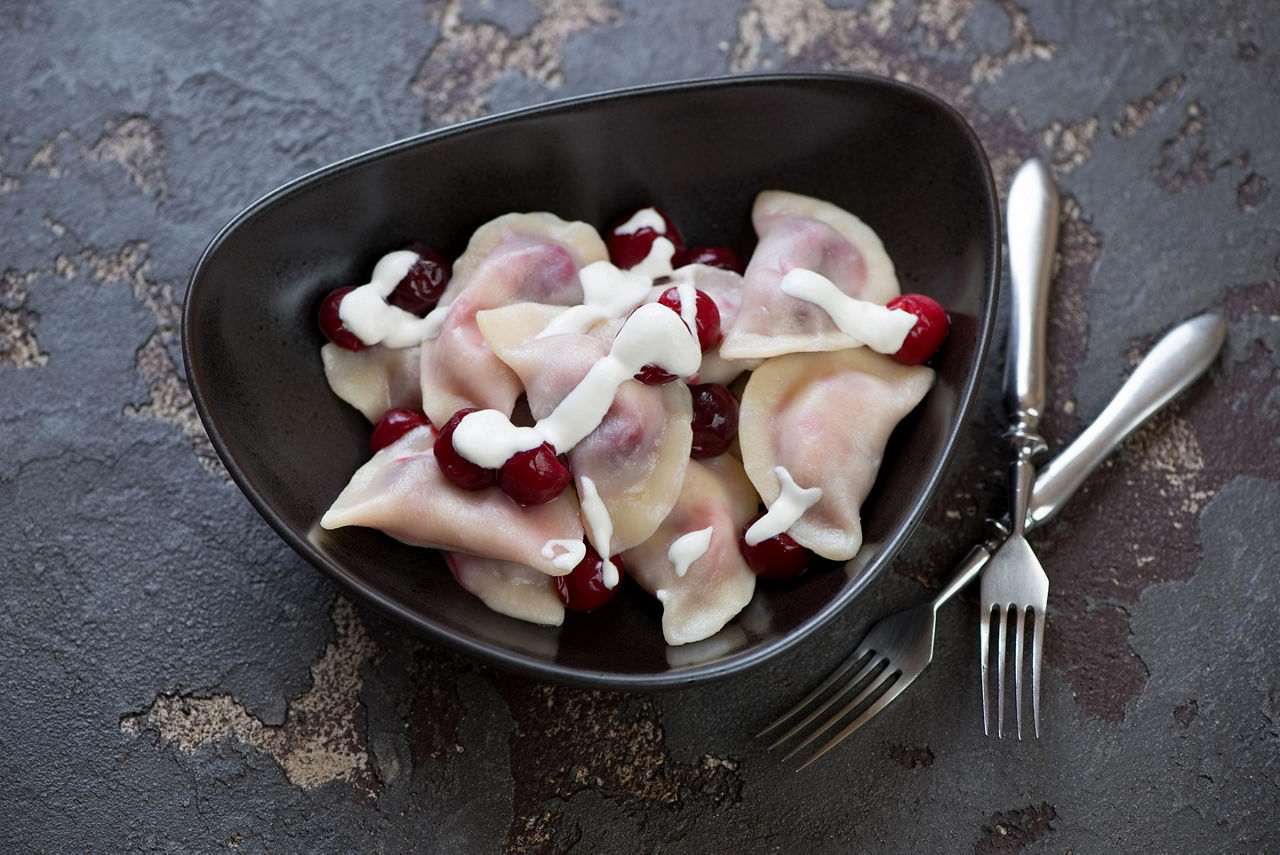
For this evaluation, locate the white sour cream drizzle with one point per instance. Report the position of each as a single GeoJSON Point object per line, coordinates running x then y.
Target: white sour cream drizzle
{"type": "Point", "coordinates": [607, 292]}
{"type": "Point", "coordinates": [688, 301]}
{"type": "Point", "coordinates": [366, 312]}
{"type": "Point", "coordinates": [659, 260]}
{"type": "Point", "coordinates": [879, 327]}
{"type": "Point", "coordinates": [790, 505]}
{"type": "Point", "coordinates": [599, 528]}
{"type": "Point", "coordinates": [574, 552]}
{"type": "Point", "coordinates": [488, 438]}
{"type": "Point", "coordinates": [645, 218]}
{"type": "Point", "coordinates": [652, 335]}
{"type": "Point", "coordinates": [688, 548]}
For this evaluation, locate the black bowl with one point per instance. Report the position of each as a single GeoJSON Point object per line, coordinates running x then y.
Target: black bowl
{"type": "Point", "coordinates": [900, 159]}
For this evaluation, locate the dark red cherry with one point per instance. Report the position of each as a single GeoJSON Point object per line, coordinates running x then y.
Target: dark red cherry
{"type": "Point", "coordinates": [393, 425]}
{"type": "Point", "coordinates": [628, 250]}
{"type": "Point", "coordinates": [420, 289]}
{"type": "Point", "coordinates": [534, 477]}
{"type": "Point", "coordinates": [458, 469]}
{"type": "Point", "coordinates": [331, 322]}
{"type": "Point", "coordinates": [932, 325]}
{"type": "Point", "coordinates": [707, 319]}
{"type": "Point", "coordinates": [652, 375]}
{"type": "Point", "coordinates": [715, 420]}
{"type": "Point", "coordinates": [713, 256]}
{"type": "Point", "coordinates": [777, 557]}
{"type": "Point", "coordinates": [583, 588]}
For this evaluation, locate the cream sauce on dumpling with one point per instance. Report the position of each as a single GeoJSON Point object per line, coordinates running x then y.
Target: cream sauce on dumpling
{"type": "Point", "coordinates": [599, 526]}
{"type": "Point", "coordinates": [688, 548]}
{"type": "Point", "coordinates": [564, 554]}
{"type": "Point", "coordinates": [792, 502]}
{"type": "Point", "coordinates": [653, 335]}
{"type": "Point", "coordinates": [878, 327]}
{"type": "Point", "coordinates": [607, 292]}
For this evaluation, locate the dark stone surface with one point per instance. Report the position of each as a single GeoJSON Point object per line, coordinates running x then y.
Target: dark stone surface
{"type": "Point", "coordinates": [175, 679]}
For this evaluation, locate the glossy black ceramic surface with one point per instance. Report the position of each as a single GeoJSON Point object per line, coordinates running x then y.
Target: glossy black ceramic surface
{"type": "Point", "coordinates": [898, 158]}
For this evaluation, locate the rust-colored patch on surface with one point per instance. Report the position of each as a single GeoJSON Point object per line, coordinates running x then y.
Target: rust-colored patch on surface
{"type": "Point", "coordinates": [1186, 712]}
{"type": "Point", "coordinates": [1252, 192]}
{"type": "Point", "coordinates": [471, 56]}
{"type": "Point", "coordinates": [1139, 113]}
{"type": "Point", "coordinates": [135, 144]}
{"type": "Point", "coordinates": [1262, 300]}
{"type": "Point", "coordinates": [1185, 161]}
{"type": "Point", "coordinates": [1014, 830]}
{"type": "Point", "coordinates": [323, 737]}
{"type": "Point", "coordinates": [568, 740]}
{"type": "Point", "coordinates": [911, 757]}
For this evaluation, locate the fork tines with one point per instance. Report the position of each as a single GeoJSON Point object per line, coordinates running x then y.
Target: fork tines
{"type": "Point", "coordinates": [876, 682]}
{"type": "Point", "coordinates": [1019, 618]}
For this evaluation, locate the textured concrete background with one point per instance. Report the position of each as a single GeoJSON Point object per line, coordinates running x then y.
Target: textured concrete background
{"type": "Point", "coordinates": [172, 678]}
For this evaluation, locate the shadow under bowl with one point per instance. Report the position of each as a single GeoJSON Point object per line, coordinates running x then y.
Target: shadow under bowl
{"type": "Point", "coordinates": [897, 157]}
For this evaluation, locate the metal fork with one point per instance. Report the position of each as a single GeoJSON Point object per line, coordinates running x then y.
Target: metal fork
{"type": "Point", "coordinates": [1014, 584]}
{"type": "Point", "coordinates": [899, 647]}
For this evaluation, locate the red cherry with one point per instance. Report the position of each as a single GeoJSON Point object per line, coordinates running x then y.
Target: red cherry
{"type": "Point", "coordinates": [628, 250]}
{"type": "Point", "coordinates": [583, 589]}
{"type": "Point", "coordinates": [707, 315]}
{"type": "Point", "coordinates": [777, 557]}
{"type": "Point", "coordinates": [932, 325]}
{"type": "Point", "coordinates": [715, 420]}
{"type": "Point", "coordinates": [420, 289]}
{"type": "Point", "coordinates": [458, 469]}
{"type": "Point", "coordinates": [331, 322]}
{"type": "Point", "coordinates": [652, 375]}
{"type": "Point", "coordinates": [393, 425]}
{"type": "Point", "coordinates": [534, 477]}
{"type": "Point", "coordinates": [714, 256]}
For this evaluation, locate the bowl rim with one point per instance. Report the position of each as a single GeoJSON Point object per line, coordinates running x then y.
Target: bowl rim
{"type": "Point", "coordinates": [525, 664]}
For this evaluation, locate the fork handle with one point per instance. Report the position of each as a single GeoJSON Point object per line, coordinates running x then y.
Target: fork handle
{"type": "Point", "coordinates": [1173, 364]}
{"type": "Point", "coordinates": [1032, 217]}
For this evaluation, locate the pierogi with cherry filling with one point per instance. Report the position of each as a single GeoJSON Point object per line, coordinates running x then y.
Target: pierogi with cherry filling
{"type": "Point", "coordinates": [560, 409]}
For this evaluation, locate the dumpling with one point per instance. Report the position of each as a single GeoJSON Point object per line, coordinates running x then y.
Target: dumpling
{"type": "Point", "coordinates": [636, 458]}
{"type": "Point", "coordinates": [800, 232]}
{"type": "Point", "coordinates": [514, 258]}
{"type": "Point", "coordinates": [825, 418]}
{"type": "Point", "coordinates": [375, 379]}
{"type": "Point", "coordinates": [715, 502]}
{"type": "Point", "coordinates": [508, 588]}
{"type": "Point", "coordinates": [402, 492]}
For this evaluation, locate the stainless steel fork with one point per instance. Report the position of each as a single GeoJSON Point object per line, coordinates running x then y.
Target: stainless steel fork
{"type": "Point", "coordinates": [1014, 585]}
{"type": "Point", "coordinates": [899, 647]}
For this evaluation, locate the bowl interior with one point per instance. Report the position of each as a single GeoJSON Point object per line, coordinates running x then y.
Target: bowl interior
{"type": "Point", "coordinates": [899, 159]}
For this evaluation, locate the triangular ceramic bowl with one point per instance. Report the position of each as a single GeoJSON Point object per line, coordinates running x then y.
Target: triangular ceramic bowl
{"type": "Point", "coordinates": [899, 158]}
